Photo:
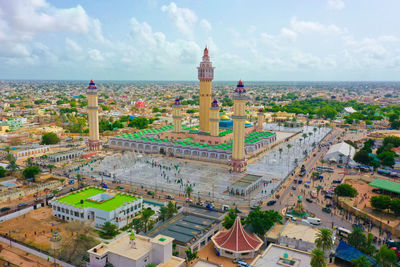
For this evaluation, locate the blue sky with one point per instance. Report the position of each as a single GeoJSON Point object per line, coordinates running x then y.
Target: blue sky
{"type": "Point", "coordinates": [264, 40]}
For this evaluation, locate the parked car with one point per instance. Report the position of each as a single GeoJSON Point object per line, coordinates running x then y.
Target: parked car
{"type": "Point", "coordinates": [293, 187]}
{"type": "Point", "coordinates": [3, 209]}
{"type": "Point", "coordinates": [254, 206]}
{"type": "Point", "coordinates": [22, 204]}
{"type": "Point", "coordinates": [169, 197]}
{"type": "Point", "coordinates": [329, 205]}
{"type": "Point", "coordinates": [378, 191]}
{"type": "Point", "coordinates": [328, 197]}
{"type": "Point", "coordinates": [326, 209]}
{"type": "Point", "coordinates": [309, 200]}
{"type": "Point", "coordinates": [238, 210]}
{"type": "Point", "coordinates": [271, 202]}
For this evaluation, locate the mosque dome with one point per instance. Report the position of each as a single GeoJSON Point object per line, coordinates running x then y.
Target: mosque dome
{"type": "Point", "coordinates": [224, 117]}
{"type": "Point", "coordinates": [194, 129]}
{"type": "Point", "coordinates": [247, 123]}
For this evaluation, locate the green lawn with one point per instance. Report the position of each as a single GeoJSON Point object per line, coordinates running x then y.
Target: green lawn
{"type": "Point", "coordinates": [74, 199]}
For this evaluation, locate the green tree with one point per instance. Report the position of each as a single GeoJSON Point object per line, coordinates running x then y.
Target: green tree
{"type": "Point", "coordinates": [380, 202]}
{"type": "Point", "coordinates": [387, 158]}
{"type": "Point", "coordinates": [140, 123]}
{"type": "Point", "coordinates": [369, 248]}
{"type": "Point", "coordinates": [190, 255]}
{"type": "Point", "coordinates": [29, 161]}
{"type": "Point", "coordinates": [362, 157]}
{"type": "Point", "coordinates": [386, 256]}
{"type": "Point", "coordinates": [361, 262]}
{"type": "Point", "coordinates": [10, 157]}
{"type": "Point", "coordinates": [318, 258]}
{"type": "Point", "coordinates": [163, 213]}
{"type": "Point", "coordinates": [30, 172]}
{"type": "Point", "coordinates": [229, 219]}
{"type": "Point", "coordinates": [145, 217]}
{"type": "Point", "coordinates": [188, 191]}
{"type": "Point", "coordinates": [171, 209]}
{"type": "Point", "coordinates": [151, 265]}
{"type": "Point", "coordinates": [394, 140]}
{"type": "Point", "coordinates": [357, 238]}
{"type": "Point", "coordinates": [109, 230]}
{"type": "Point", "coordinates": [50, 139]}
{"type": "Point", "coordinates": [2, 172]}
{"type": "Point", "coordinates": [50, 167]}
{"type": "Point", "coordinates": [12, 166]}
{"type": "Point", "coordinates": [262, 221]}
{"type": "Point", "coordinates": [395, 206]}
{"type": "Point", "coordinates": [324, 239]}
{"type": "Point", "coordinates": [345, 190]}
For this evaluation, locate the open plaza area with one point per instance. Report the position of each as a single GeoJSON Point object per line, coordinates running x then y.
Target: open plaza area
{"type": "Point", "coordinates": [208, 180]}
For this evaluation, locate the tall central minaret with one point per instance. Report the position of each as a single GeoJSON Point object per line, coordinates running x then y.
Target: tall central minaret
{"type": "Point", "coordinates": [205, 75]}
{"type": "Point", "coordinates": [93, 117]}
{"type": "Point", "coordinates": [238, 160]}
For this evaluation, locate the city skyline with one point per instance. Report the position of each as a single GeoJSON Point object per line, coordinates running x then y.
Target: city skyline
{"type": "Point", "coordinates": [331, 40]}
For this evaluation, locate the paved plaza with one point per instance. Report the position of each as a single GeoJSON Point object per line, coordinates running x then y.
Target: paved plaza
{"type": "Point", "coordinates": [209, 181]}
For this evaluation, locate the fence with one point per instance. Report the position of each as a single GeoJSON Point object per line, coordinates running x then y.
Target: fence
{"type": "Point", "coordinates": [8, 196]}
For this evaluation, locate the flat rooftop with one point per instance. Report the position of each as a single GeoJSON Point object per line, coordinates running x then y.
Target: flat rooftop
{"type": "Point", "coordinates": [246, 180]}
{"type": "Point", "coordinates": [300, 231]}
{"type": "Point", "coordinates": [274, 254]}
{"type": "Point", "coordinates": [386, 185]}
{"type": "Point", "coordinates": [184, 228]}
{"type": "Point", "coordinates": [109, 204]}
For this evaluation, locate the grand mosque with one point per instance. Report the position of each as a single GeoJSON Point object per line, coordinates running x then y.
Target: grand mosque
{"type": "Point", "coordinates": [217, 138]}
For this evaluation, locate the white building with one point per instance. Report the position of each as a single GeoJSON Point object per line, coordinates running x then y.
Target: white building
{"type": "Point", "coordinates": [276, 255]}
{"type": "Point", "coordinates": [135, 253]}
{"type": "Point", "coordinates": [349, 110]}
{"type": "Point", "coordinates": [97, 205]}
{"type": "Point", "coordinates": [341, 153]}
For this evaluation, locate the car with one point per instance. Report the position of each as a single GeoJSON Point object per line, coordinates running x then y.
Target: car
{"type": "Point", "coordinates": [271, 202]}
{"type": "Point", "coordinates": [22, 204]}
{"type": "Point", "coordinates": [72, 189]}
{"type": "Point", "coordinates": [378, 191]}
{"type": "Point", "coordinates": [3, 209]}
{"type": "Point", "coordinates": [238, 210]}
{"type": "Point", "coordinates": [328, 196]}
{"type": "Point", "coordinates": [309, 200]}
{"type": "Point", "coordinates": [254, 206]}
{"type": "Point", "coordinates": [169, 197]}
{"type": "Point", "coordinates": [150, 193]}
{"type": "Point", "coordinates": [339, 166]}
{"type": "Point", "coordinates": [293, 187]}
{"type": "Point", "coordinates": [237, 260]}
{"type": "Point", "coordinates": [188, 200]}
{"type": "Point", "coordinates": [49, 195]}
{"type": "Point", "coordinates": [243, 264]}
{"type": "Point", "coordinates": [329, 205]}
{"type": "Point", "coordinates": [326, 209]}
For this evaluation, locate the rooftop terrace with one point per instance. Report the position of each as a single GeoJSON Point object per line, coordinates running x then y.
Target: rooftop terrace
{"type": "Point", "coordinates": [74, 199]}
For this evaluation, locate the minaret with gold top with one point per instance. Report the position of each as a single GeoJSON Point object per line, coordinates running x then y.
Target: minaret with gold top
{"type": "Point", "coordinates": [205, 75]}
{"type": "Point", "coordinates": [238, 160]}
{"type": "Point", "coordinates": [177, 116]}
{"type": "Point", "coordinates": [260, 120]}
{"type": "Point", "coordinates": [94, 142]}
{"type": "Point", "coordinates": [214, 118]}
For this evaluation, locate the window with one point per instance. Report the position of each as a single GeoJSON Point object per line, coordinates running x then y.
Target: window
{"type": "Point", "coordinates": [62, 209]}
{"type": "Point", "coordinates": [58, 208]}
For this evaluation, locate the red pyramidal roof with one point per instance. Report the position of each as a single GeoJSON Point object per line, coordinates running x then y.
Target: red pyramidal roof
{"type": "Point", "coordinates": [237, 239]}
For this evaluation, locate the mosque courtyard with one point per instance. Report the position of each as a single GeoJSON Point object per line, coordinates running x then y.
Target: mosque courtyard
{"type": "Point", "coordinates": [211, 181]}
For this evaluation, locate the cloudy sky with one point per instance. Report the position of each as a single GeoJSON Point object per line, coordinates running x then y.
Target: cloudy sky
{"type": "Point", "coordinates": [265, 40]}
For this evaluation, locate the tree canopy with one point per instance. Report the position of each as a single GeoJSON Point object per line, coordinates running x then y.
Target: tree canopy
{"type": "Point", "coordinates": [50, 139]}
{"type": "Point", "coordinates": [261, 221]}
{"type": "Point", "coordinates": [30, 172]}
{"type": "Point", "coordinates": [345, 190]}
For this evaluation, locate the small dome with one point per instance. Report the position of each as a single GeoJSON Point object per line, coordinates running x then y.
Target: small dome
{"type": "Point", "coordinates": [247, 122]}
{"type": "Point", "coordinates": [194, 129]}
{"type": "Point", "coordinates": [224, 117]}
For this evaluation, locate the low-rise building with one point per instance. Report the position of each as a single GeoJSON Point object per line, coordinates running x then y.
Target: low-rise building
{"type": "Point", "coordinates": [276, 255]}
{"type": "Point", "coordinates": [29, 151]}
{"type": "Point", "coordinates": [135, 252]}
{"type": "Point", "coordinates": [64, 155]}
{"type": "Point", "coordinates": [98, 206]}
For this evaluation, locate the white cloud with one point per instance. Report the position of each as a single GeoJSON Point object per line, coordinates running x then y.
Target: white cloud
{"type": "Point", "coordinates": [21, 20]}
{"type": "Point", "coordinates": [95, 55]}
{"type": "Point", "coordinates": [183, 18]}
{"type": "Point", "coordinates": [72, 45]}
{"type": "Point", "coordinates": [335, 4]}
{"type": "Point", "coordinates": [205, 25]}
{"type": "Point", "coordinates": [288, 34]}
{"type": "Point", "coordinates": [311, 26]}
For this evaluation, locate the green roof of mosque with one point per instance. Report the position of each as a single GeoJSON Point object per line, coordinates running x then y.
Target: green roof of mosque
{"type": "Point", "coordinates": [386, 185]}
{"type": "Point", "coordinates": [74, 199]}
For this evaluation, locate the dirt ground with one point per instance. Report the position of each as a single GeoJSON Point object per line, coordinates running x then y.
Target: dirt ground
{"type": "Point", "coordinates": [34, 228]}
{"type": "Point", "coordinates": [208, 253]}
{"type": "Point", "coordinates": [17, 257]}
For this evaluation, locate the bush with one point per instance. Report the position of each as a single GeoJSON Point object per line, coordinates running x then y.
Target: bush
{"type": "Point", "coordinates": [380, 202]}
{"type": "Point", "coordinates": [2, 172]}
{"type": "Point", "coordinates": [50, 139]}
{"type": "Point", "coordinates": [31, 172]}
{"type": "Point", "coordinates": [345, 190]}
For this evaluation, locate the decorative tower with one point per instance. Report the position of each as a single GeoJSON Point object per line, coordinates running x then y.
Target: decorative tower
{"type": "Point", "coordinates": [214, 118]}
{"type": "Point", "coordinates": [238, 160]}
{"type": "Point", "coordinates": [93, 117]}
{"type": "Point", "coordinates": [205, 75]}
{"type": "Point", "coordinates": [260, 120]}
{"type": "Point", "coordinates": [177, 116]}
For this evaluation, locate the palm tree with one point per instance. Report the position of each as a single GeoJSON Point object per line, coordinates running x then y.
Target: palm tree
{"type": "Point", "coordinates": [314, 129]}
{"type": "Point", "coordinates": [361, 262]}
{"type": "Point", "coordinates": [145, 217]}
{"type": "Point", "coordinates": [51, 167]}
{"type": "Point", "coordinates": [188, 191]}
{"type": "Point", "coordinates": [318, 258]}
{"type": "Point", "coordinates": [12, 166]}
{"type": "Point", "coordinates": [280, 152]}
{"type": "Point", "coordinates": [324, 239]}
{"type": "Point", "coordinates": [319, 128]}
{"type": "Point", "coordinates": [163, 213]}
{"type": "Point", "coordinates": [29, 161]}
{"type": "Point", "coordinates": [79, 178]}
{"type": "Point", "coordinates": [305, 136]}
